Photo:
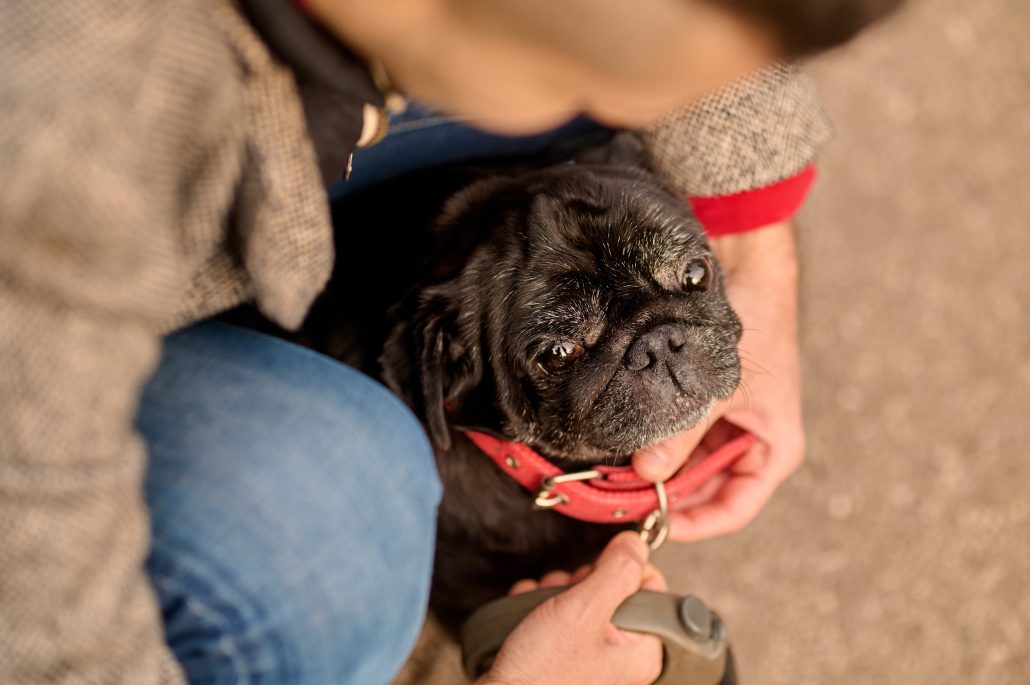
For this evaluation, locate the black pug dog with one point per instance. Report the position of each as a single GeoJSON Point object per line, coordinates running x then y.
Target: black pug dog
{"type": "Point", "coordinates": [575, 308]}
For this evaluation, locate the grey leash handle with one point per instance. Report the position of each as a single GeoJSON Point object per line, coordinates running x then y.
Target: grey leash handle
{"type": "Point", "coordinates": [693, 636]}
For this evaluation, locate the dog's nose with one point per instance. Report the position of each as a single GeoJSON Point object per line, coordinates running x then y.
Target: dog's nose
{"type": "Point", "coordinates": [660, 344]}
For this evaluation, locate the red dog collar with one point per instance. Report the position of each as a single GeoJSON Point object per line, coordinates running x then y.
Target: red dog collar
{"type": "Point", "coordinates": [603, 494]}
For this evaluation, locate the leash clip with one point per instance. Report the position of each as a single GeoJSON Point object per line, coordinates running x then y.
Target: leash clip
{"type": "Point", "coordinates": [655, 528]}
{"type": "Point", "coordinates": [547, 497]}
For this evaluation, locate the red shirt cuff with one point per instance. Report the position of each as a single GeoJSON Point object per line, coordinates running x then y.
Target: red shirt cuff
{"type": "Point", "coordinates": [751, 209]}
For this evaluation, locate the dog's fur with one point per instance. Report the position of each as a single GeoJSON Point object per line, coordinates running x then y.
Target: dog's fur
{"type": "Point", "coordinates": [590, 253]}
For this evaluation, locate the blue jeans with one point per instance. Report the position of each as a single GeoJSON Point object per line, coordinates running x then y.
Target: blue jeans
{"type": "Point", "coordinates": [293, 503]}
{"type": "Point", "coordinates": [293, 499]}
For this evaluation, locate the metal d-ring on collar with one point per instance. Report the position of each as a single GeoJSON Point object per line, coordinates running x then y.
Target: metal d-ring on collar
{"type": "Point", "coordinates": [653, 531]}
{"type": "Point", "coordinates": [546, 497]}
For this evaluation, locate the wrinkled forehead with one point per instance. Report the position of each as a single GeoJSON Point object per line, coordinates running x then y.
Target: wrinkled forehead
{"type": "Point", "coordinates": [581, 258]}
{"type": "Point", "coordinates": [621, 236]}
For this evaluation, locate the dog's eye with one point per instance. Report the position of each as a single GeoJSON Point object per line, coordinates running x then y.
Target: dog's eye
{"type": "Point", "coordinates": [698, 274]}
{"type": "Point", "coordinates": [560, 356]}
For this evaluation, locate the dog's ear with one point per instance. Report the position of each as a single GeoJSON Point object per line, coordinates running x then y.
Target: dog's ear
{"type": "Point", "coordinates": [427, 360]}
{"type": "Point", "coordinates": [625, 149]}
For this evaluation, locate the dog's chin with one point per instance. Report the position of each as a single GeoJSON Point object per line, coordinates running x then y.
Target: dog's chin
{"type": "Point", "coordinates": [615, 437]}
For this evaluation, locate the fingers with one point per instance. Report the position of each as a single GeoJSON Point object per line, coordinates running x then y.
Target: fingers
{"type": "Point", "coordinates": [581, 573]}
{"type": "Point", "coordinates": [709, 489]}
{"type": "Point", "coordinates": [618, 573]}
{"type": "Point", "coordinates": [556, 579]}
{"type": "Point", "coordinates": [732, 499]}
{"type": "Point", "coordinates": [732, 508]}
{"type": "Point", "coordinates": [652, 579]}
{"type": "Point", "coordinates": [552, 579]}
{"type": "Point", "coordinates": [523, 586]}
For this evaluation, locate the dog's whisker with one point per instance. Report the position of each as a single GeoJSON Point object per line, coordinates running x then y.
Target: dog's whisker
{"type": "Point", "coordinates": [750, 364]}
{"type": "Point", "coordinates": [747, 393]}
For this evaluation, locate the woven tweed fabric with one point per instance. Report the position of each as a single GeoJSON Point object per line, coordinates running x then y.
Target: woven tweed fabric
{"type": "Point", "coordinates": [155, 169]}
{"type": "Point", "coordinates": [130, 133]}
{"type": "Point", "coordinates": [762, 129]}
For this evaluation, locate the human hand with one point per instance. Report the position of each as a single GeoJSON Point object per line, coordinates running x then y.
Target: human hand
{"type": "Point", "coordinates": [761, 284]}
{"type": "Point", "coordinates": [570, 639]}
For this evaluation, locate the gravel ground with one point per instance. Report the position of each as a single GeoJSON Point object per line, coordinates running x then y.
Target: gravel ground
{"type": "Point", "coordinates": [900, 553]}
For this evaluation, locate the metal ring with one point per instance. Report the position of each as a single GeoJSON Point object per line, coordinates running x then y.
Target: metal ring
{"type": "Point", "coordinates": [551, 481]}
{"type": "Point", "coordinates": [546, 497]}
{"type": "Point", "coordinates": [655, 528]}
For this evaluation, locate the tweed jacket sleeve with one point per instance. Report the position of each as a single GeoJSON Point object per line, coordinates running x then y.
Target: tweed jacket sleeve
{"type": "Point", "coordinates": [744, 156]}
{"type": "Point", "coordinates": [95, 103]}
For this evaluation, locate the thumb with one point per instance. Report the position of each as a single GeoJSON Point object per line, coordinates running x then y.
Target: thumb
{"type": "Point", "coordinates": [659, 462]}
{"type": "Point", "coordinates": [618, 573]}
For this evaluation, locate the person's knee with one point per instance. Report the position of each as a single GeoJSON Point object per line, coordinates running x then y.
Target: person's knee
{"type": "Point", "coordinates": [301, 541]}
{"type": "Point", "coordinates": [381, 439]}
{"type": "Point", "coordinates": [310, 613]}
{"type": "Point", "coordinates": [262, 405]}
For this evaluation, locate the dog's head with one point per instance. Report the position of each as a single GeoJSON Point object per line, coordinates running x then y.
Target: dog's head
{"type": "Point", "coordinates": [577, 309]}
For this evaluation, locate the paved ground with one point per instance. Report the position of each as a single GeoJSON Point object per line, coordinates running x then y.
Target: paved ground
{"type": "Point", "coordinates": [901, 552]}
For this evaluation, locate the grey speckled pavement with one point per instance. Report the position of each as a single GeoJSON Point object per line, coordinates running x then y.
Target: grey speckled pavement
{"type": "Point", "coordinates": [900, 553]}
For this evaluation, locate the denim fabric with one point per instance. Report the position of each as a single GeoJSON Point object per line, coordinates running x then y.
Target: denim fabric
{"type": "Point", "coordinates": [293, 504]}
{"type": "Point", "coordinates": [420, 138]}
